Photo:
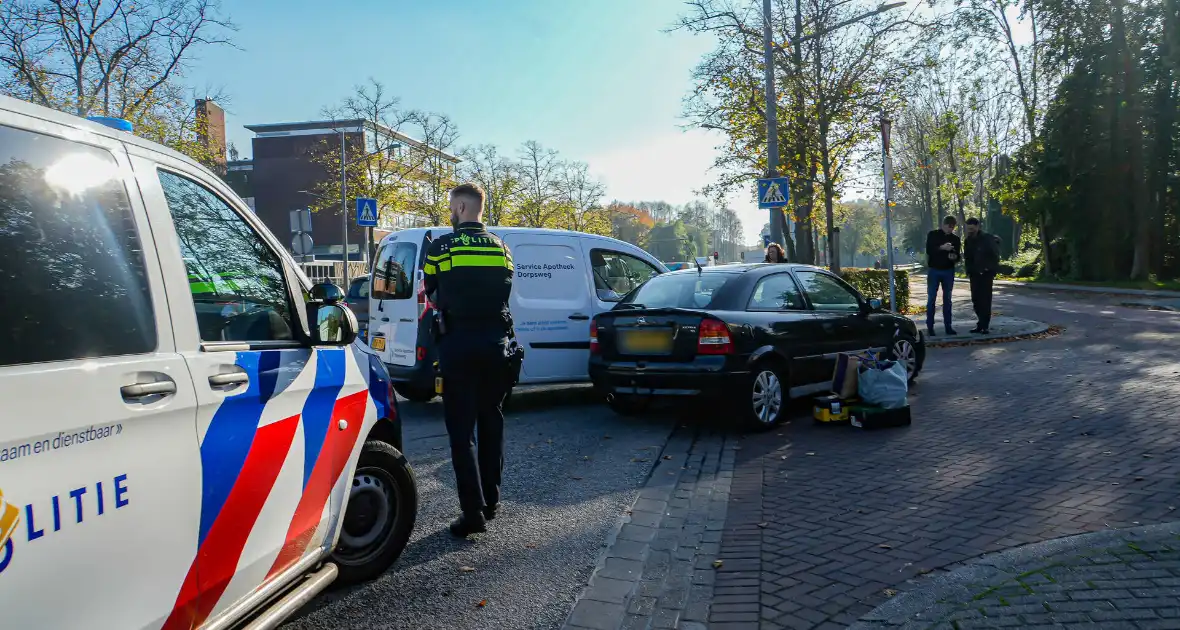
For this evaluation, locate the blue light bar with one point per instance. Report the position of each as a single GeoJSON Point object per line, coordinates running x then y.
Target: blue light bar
{"type": "Point", "coordinates": [113, 123]}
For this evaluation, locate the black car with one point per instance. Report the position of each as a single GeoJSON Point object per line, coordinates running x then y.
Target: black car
{"type": "Point", "coordinates": [751, 335]}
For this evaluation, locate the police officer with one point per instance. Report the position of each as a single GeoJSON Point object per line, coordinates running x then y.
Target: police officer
{"type": "Point", "coordinates": [469, 273]}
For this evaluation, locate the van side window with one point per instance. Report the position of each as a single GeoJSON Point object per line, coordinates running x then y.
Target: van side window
{"type": "Point", "coordinates": [616, 273]}
{"type": "Point", "coordinates": [71, 262]}
{"type": "Point", "coordinates": [392, 274]}
{"type": "Point", "coordinates": [236, 279]}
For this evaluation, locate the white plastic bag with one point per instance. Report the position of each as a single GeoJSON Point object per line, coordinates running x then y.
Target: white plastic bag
{"type": "Point", "coordinates": [883, 384]}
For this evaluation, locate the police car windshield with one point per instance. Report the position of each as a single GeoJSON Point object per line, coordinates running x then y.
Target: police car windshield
{"type": "Point", "coordinates": [677, 290]}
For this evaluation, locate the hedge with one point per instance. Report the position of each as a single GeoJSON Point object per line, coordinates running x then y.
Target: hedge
{"type": "Point", "coordinates": [874, 283]}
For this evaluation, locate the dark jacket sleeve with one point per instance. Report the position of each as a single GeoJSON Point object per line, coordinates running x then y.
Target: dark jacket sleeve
{"type": "Point", "coordinates": [991, 254]}
{"type": "Point", "coordinates": [930, 246]}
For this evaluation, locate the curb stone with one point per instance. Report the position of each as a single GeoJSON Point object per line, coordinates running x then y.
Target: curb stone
{"type": "Point", "coordinates": [655, 570]}
{"type": "Point", "coordinates": [942, 594]}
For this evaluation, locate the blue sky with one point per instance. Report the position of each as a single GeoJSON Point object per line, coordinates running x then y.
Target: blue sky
{"type": "Point", "coordinates": [599, 80]}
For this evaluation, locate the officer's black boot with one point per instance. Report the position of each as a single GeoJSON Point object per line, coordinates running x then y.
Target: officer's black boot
{"type": "Point", "coordinates": [489, 512]}
{"type": "Point", "coordinates": [468, 524]}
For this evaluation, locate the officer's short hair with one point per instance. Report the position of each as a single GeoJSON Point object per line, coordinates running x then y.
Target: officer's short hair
{"type": "Point", "coordinates": [471, 191]}
{"type": "Point", "coordinates": [972, 221]}
{"type": "Point", "coordinates": [949, 220]}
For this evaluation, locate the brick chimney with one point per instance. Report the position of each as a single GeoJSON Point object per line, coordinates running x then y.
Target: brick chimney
{"type": "Point", "coordinates": [211, 132]}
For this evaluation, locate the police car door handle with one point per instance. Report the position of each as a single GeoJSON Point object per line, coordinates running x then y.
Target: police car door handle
{"type": "Point", "coordinates": [233, 378]}
{"type": "Point", "coordinates": [384, 319]}
{"type": "Point", "coordinates": [150, 388]}
{"type": "Point", "coordinates": [579, 316]}
{"type": "Point", "coordinates": [406, 319]}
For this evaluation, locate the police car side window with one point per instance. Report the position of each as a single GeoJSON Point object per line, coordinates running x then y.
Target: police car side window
{"type": "Point", "coordinates": [236, 279]}
{"type": "Point", "coordinates": [71, 262]}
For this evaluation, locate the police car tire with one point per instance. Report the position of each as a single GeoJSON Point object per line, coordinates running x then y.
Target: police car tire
{"type": "Point", "coordinates": [389, 460]}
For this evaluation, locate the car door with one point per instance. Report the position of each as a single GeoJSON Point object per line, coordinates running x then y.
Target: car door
{"type": "Point", "coordinates": [782, 320]}
{"type": "Point", "coordinates": [551, 305]}
{"type": "Point", "coordinates": [99, 467]}
{"type": "Point", "coordinates": [276, 418]}
{"type": "Point", "coordinates": [394, 312]}
{"type": "Point", "coordinates": [844, 319]}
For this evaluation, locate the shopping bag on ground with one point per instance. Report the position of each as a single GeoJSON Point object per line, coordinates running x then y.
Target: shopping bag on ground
{"type": "Point", "coordinates": [844, 379]}
{"type": "Point", "coordinates": [883, 384]}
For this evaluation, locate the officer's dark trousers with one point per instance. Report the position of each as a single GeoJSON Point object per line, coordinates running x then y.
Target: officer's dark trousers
{"type": "Point", "coordinates": [475, 382]}
{"type": "Point", "coordinates": [981, 298]}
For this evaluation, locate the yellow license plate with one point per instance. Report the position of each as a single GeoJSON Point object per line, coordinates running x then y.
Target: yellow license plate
{"type": "Point", "coordinates": [378, 343]}
{"type": "Point", "coordinates": [646, 342]}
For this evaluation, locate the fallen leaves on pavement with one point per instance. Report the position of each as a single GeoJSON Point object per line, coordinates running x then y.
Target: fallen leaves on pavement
{"type": "Point", "coordinates": [466, 569]}
{"type": "Point", "coordinates": [482, 603]}
{"type": "Point", "coordinates": [717, 564]}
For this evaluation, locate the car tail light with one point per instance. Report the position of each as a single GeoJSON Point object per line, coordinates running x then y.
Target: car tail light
{"type": "Point", "coordinates": [594, 347]}
{"type": "Point", "coordinates": [714, 338]}
{"type": "Point", "coordinates": [421, 353]}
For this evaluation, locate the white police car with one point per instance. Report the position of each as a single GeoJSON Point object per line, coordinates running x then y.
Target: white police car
{"type": "Point", "coordinates": [174, 453]}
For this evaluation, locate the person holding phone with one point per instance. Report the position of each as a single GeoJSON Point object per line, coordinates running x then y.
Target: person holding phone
{"type": "Point", "coordinates": [943, 251]}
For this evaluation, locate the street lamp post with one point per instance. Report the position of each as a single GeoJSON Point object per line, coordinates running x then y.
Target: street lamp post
{"type": "Point", "coordinates": [887, 169]}
{"type": "Point", "coordinates": [776, 227]}
{"type": "Point", "coordinates": [344, 206]}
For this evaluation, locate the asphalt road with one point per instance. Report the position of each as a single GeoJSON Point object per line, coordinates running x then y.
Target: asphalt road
{"type": "Point", "coordinates": [571, 468]}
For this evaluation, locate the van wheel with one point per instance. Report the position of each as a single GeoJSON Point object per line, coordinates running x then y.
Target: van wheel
{"type": "Point", "coordinates": [626, 405]}
{"type": "Point", "coordinates": [414, 393]}
{"type": "Point", "coordinates": [766, 397]}
{"type": "Point", "coordinates": [379, 518]}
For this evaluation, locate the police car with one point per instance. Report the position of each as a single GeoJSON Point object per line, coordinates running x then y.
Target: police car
{"type": "Point", "coordinates": [192, 435]}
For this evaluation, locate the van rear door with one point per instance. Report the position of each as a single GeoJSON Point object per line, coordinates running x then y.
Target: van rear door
{"type": "Point", "coordinates": [393, 301]}
{"type": "Point", "coordinates": [551, 306]}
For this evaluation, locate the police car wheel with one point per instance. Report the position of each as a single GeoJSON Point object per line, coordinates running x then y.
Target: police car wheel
{"type": "Point", "coordinates": [379, 518]}
{"type": "Point", "coordinates": [414, 394]}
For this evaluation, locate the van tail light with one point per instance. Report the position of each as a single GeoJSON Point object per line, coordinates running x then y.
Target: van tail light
{"type": "Point", "coordinates": [594, 347]}
{"type": "Point", "coordinates": [714, 338]}
{"type": "Point", "coordinates": [423, 302]}
{"type": "Point", "coordinates": [421, 353]}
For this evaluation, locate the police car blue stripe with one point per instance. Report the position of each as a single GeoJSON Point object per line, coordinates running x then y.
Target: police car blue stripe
{"type": "Point", "coordinates": [317, 411]}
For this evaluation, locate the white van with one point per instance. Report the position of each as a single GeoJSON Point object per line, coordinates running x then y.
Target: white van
{"type": "Point", "coordinates": [192, 435]}
{"type": "Point", "coordinates": [563, 279]}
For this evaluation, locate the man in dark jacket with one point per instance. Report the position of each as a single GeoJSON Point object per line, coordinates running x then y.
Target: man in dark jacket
{"type": "Point", "coordinates": [981, 253]}
{"type": "Point", "coordinates": [469, 276]}
{"type": "Point", "coordinates": [943, 249]}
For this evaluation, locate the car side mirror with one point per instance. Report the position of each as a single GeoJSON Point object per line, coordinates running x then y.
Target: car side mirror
{"type": "Point", "coordinates": [335, 324]}
{"type": "Point", "coordinates": [327, 292]}
{"type": "Point", "coordinates": [875, 304]}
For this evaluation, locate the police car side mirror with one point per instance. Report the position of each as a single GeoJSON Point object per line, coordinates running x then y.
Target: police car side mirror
{"type": "Point", "coordinates": [327, 292]}
{"type": "Point", "coordinates": [335, 324]}
{"type": "Point", "coordinates": [875, 304]}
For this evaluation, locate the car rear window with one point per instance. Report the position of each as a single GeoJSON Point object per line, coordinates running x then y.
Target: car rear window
{"type": "Point", "coordinates": [678, 290]}
{"type": "Point", "coordinates": [359, 289]}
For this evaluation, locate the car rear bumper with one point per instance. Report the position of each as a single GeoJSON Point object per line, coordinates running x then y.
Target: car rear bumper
{"type": "Point", "coordinates": [707, 378]}
{"type": "Point", "coordinates": [421, 374]}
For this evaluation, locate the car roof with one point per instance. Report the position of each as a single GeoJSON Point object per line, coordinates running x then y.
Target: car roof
{"type": "Point", "coordinates": [747, 267]}
{"type": "Point", "coordinates": [505, 230]}
{"type": "Point", "coordinates": [7, 103]}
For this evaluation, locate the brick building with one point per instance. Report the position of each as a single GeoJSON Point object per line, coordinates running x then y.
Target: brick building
{"type": "Point", "coordinates": [282, 175]}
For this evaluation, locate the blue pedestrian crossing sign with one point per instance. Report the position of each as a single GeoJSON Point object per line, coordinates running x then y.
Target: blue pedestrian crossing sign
{"type": "Point", "coordinates": [366, 212]}
{"type": "Point", "coordinates": [773, 192]}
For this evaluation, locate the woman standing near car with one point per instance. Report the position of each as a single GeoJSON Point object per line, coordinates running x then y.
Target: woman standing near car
{"type": "Point", "coordinates": [775, 253]}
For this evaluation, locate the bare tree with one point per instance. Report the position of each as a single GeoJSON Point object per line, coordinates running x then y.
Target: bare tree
{"type": "Point", "coordinates": [430, 188]}
{"type": "Point", "coordinates": [582, 194]}
{"type": "Point", "coordinates": [540, 169]}
{"type": "Point", "coordinates": [498, 176]}
{"type": "Point", "coordinates": [111, 57]}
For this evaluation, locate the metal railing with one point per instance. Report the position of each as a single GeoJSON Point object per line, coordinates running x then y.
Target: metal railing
{"type": "Point", "coordinates": [333, 271]}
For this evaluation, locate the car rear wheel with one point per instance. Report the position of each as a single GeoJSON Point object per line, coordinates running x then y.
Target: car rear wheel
{"type": "Point", "coordinates": [382, 508]}
{"type": "Point", "coordinates": [414, 393]}
{"type": "Point", "coordinates": [905, 350]}
{"type": "Point", "coordinates": [766, 397]}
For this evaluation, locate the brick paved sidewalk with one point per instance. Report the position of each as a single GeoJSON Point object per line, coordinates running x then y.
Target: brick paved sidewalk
{"type": "Point", "coordinates": [657, 570]}
{"type": "Point", "coordinates": [1113, 579]}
